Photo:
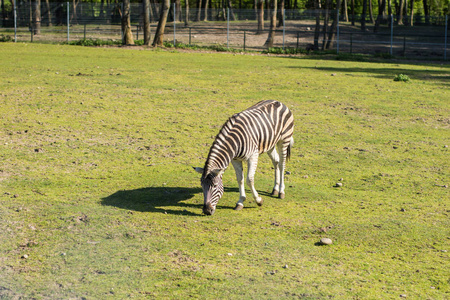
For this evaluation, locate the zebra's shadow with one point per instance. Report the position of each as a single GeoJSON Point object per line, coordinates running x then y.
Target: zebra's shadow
{"type": "Point", "coordinates": [159, 200]}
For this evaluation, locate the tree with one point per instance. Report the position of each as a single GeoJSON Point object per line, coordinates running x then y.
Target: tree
{"type": "Point", "coordinates": [364, 15]}
{"type": "Point", "coordinates": [159, 35]}
{"type": "Point", "coordinates": [260, 16]}
{"type": "Point", "coordinates": [345, 10]}
{"type": "Point", "coordinates": [325, 23]}
{"type": "Point", "coordinates": [186, 21]}
{"type": "Point", "coordinates": [317, 6]}
{"type": "Point", "coordinates": [49, 14]}
{"type": "Point", "coordinates": [37, 17]}
{"type": "Point", "coordinates": [147, 22]}
{"type": "Point", "coordinates": [126, 24]}
{"type": "Point", "coordinates": [381, 8]}
{"type": "Point", "coordinates": [332, 32]}
{"type": "Point", "coordinates": [273, 23]}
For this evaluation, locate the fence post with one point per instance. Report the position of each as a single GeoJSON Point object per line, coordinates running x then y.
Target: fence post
{"type": "Point", "coordinates": [174, 26]}
{"type": "Point", "coordinates": [298, 37]}
{"type": "Point", "coordinates": [15, 22]}
{"type": "Point", "coordinates": [445, 40]}
{"type": "Point", "coordinates": [392, 32]}
{"type": "Point", "coordinates": [84, 30]}
{"type": "Point", "coordinates": [190, 35]}
{"type": "Point", "coordinates": [228, 27]}
{"type": "Point", "coordinates": [244, 38]}
{"type": "Point", "coordinates": [68, 25]}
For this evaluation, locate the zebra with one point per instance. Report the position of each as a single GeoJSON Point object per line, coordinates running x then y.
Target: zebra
{"type": "Point", "coordinates": [261, 128]}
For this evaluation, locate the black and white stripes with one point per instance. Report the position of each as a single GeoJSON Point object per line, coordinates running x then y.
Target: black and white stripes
{"type": "Point", "coordinates": [261, 128]}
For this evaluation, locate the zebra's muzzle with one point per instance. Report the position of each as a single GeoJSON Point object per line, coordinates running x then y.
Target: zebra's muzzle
{"type": "Point", "coordinates": [208, 209]}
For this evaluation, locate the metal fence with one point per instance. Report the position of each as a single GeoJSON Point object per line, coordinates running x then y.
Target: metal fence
{"type": "Point", "coordinates": [227, 28]}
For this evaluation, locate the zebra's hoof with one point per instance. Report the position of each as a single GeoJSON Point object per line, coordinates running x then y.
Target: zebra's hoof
{"type": "Point", "coordinates": [275, 193]}
{"type": "Point", "coordinates": [239, 207]}
{"type": "Point", "coordinates": [260, 202]}
{"type": "Point", "coordinates": [281, 196]}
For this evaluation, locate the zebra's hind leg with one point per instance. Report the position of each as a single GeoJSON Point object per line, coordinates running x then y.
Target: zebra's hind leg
{"type": "Point", "coordinates": [252, 164]}
{"type": "Point", "coordinates": [273, 154]}
{"type": "Point", "coordinates": [283, 149]}
{"type": "Point", "coordinates": [240, 179]}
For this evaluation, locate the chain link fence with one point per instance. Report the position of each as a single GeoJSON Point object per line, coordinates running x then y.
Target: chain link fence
{"type": "Point", "coordinates": [54, 22]}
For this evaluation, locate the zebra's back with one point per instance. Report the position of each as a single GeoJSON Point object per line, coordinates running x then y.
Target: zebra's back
{"type": "Point", "coordinates": [261, 127]}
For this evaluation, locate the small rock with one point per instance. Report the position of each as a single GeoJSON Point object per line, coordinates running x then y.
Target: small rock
{"type": "Point", "coordinates": [402, 210]}
{"type": "Point", "coordinates": [288, 173]}
{"type": "Point", "coordinates": [285, 267]}
{"type": "Point", "coordinates": [305, 176]}
{"type": "Point", "coordinates": [333, 74]}
{"type": "Point", "coordinates": [63, 254]}
{"type": "Point", "coordinates": [25, 256]}
{"type": "Point", "coordinates": [230, 254]}
{"type": "Point", "coordinates": [325, 241]}
{"type": "Point", "coordinates": [339, 184]}
{"type": "Point", "coordinates": [445, 146]}
{"type": "Point", "coordinates": [402, 296]}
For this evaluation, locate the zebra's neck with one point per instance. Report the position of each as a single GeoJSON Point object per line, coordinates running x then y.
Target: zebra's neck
{"type": "Point", "coordinates": [223, 149]}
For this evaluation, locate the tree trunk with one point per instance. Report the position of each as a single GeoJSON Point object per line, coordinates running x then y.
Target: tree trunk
{"type": "Point", "coordinates": [353, 12]}
{"type": "Point", "coordinates": [381, 9]}
{"type": "Point", "coordinates": [364, 15]}
{"type": "Point", "coordinates": [199, 10]}
{"type": "Point", "coordinates": [205, 10]}
{"type": "Point", "coordinates": [177, 16]}
{"type": "Point", "coordinates": [345, 10]}
{"type": "Point", "coordinates": [126, 24]}
{"type": "Point", "coordinates": [331, 35]}
{"type": "Point", "coordinates": [426, 10]}
{"type": "Point", "coordinates": [318, 12]}
{"type": "Point", "coordinates": [74, 17]}
{"type": "Point", "coordinates": [260, 16]}
{"type": "Point", "coordinates": [325, 23]}
{"type": "Point", "coordinates": [49, 13]}
{"type": "Point", "coordinates": [273, 23]}
{"type": "Point", "coordinates": [411, 16]}
{"type": "Point", "coordinates": [37, 17]}
{"type": "Point", "coordinates": [159, 35]}
{"type": "Point", "coordinates": [371, 12]}
{"type": "Point", "coordinates": [400, 12]}
{"type": "Point", "coordinates": [281, 14]}
{"type": "Point", "coordinates": [3, 13]}
{"type": "Point", "coordinates": [230, 7]}
{"type": "Point", "coordinates": [147, 32]}
{"type": "Point", "coordinates": [186, 20]}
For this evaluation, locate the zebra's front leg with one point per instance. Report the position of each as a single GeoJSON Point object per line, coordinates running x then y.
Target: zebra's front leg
{"type": "Point", "coordinates": [252, 164]}
{"type": "Point", "coordinates": [240, 179]}
{"type": "Point", "coordinates": [282, 165]}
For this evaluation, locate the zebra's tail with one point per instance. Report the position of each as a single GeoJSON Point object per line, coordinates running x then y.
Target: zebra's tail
{"type": "Point", "coordinates": [291, 143]}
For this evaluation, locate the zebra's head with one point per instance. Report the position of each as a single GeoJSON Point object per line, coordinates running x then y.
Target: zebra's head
{"type": "Point", "coordinates": [212, 189]}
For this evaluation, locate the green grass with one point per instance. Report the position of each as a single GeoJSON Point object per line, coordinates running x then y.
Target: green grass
{"type": "Point", "coordinates": [97, 189]}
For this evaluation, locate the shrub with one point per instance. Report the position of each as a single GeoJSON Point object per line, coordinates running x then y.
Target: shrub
{"type": "Point", "coordinates": [5, 38]}
{"type": "Point", "coordinates": [402, 77]}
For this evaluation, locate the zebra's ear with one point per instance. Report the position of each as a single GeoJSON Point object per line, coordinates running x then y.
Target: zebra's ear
{"type": "Point", "coordinates": [198, 170]}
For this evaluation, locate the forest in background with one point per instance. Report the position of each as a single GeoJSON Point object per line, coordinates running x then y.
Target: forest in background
{"type": "Point", "coordinates": [326, 13]}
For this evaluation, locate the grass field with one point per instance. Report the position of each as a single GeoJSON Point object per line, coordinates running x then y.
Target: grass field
{"type": "Point", "coordinates": [98, 198]}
